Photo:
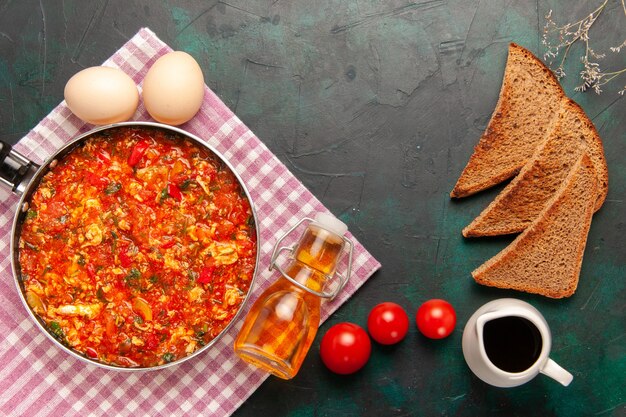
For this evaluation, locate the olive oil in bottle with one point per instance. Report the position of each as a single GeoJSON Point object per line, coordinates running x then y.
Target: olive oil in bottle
{"type": "Point", "coordinates": [280, 327]}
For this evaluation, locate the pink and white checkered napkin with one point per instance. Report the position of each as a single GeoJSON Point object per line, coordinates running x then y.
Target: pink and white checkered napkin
{"type": "Point", "coordinates": [37, 378]}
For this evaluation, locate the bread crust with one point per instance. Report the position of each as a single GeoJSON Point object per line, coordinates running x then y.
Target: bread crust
{"type": "Point", "coordinates": [595, 151]}
{"type": "Point", "coordinates": [546, 258]}
{"type": "Point", "coordinates": [521, 201]}
{"type": "Point", "coordinates": [516, 126]}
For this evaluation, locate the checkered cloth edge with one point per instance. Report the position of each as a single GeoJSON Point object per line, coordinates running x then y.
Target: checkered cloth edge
{"type": "Point", "coordinates": [37, 378]}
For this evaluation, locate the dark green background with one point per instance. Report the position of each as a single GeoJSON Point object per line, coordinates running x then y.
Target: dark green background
{"type": "Point", "coordinates": [375, 106]}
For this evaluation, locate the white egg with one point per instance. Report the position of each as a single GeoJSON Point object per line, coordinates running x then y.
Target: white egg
{"type": "Point", "coordinates": [102, 95]}
{"type": "Point", "coordinates": [173, 88]}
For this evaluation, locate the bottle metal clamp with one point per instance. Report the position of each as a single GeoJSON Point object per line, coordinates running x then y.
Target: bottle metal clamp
{"type": "Point", "coordinates": [343, 280]}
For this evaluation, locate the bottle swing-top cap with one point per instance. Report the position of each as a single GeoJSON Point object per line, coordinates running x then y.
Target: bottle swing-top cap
{"type": "Point", "coordinates": [332, 225]}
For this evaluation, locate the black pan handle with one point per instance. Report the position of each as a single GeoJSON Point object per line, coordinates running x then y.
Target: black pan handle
{"type": "Point", "coordinates": [16, 171]}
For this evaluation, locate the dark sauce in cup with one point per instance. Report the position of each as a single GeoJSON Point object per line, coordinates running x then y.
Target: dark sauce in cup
{"type": "Point", "coordinates": [512, 343]}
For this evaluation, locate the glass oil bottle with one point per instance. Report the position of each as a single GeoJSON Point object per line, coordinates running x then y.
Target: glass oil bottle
{"type": "Point", "coordinates": [280, 327]}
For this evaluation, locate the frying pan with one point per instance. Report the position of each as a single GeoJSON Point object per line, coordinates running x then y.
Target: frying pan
{"type": "Point", "coordinates": [24, 176]}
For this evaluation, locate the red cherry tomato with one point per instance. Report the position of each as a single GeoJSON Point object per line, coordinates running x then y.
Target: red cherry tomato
{"type": "Point", "coordinates": [345, 348]}
{"type": "Point", "coordinates": [388, 323]}
{"type": "Point", "coordinates": [436, 318]}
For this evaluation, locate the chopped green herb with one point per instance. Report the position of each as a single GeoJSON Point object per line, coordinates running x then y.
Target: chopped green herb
{"type": "Point", "coordinates": [185, 184]}
{"type": "Point", "coordinates": [132, 279]}
{"type": "Point", "coordinates": [57, 331]}
{"type": "Point", "coordinates": [199, 337]}
{"type": "Point", "coordinates": [114, 245]}
{"type": "Point", "coordinates": [63, 219]}
{"type": "Point", "coordinates": [100, 295]}
{"type": "Point", "coordinates": [192, 275]}
{"type": "Point", "coordinates": [112, 188]}
{"type": "Point", "coordinates": [47, 269]}
{"type": "Point", "coordinates": [168, 357]}
{"type": "Point", "coordinates": [31, 214]}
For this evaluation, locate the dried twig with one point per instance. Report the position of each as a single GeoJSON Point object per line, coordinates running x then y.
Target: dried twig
{"type": "Point", "coordinates": [570, 33]}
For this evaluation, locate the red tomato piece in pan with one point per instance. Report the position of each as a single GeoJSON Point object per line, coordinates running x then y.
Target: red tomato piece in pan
{"type": "Point", "coordinates": [138, 152]}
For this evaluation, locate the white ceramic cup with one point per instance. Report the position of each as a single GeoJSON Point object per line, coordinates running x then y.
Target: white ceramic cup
{"type": "Point", "coordinates": [476, 356]}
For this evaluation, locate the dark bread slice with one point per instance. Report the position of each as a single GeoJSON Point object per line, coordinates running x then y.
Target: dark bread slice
{"type": "Point", "coordinates": [546, 258]}
{"type": "Point", "coordinates": [583, 126]}
{"type": "Point", "coordinates": [521, 201]}
{"type": "Point", "coordinates": [530, 98]}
